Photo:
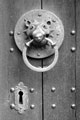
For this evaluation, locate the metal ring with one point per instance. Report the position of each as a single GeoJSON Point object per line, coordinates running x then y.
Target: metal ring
{"type": "Point", "coordinates": [39, 69]}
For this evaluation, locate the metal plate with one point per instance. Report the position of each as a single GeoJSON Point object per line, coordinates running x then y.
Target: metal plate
{"type": "Point", "coordinates": [21, 107]}
{"type": "Point", "coordinates": [50, 20]}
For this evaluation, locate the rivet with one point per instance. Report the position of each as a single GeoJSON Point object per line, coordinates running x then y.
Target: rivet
{"type": "Point", "coordinates": [73, 49]}
{"type": "Point", "coordinates": [53, 20]}
{"type": "Point", "coordinates": [39, 15]}
{"type": "Point", "coordinates": [32, 106]}
{"type": "Point", "coordinates": [18, 33]}
{"type": "Point", "coordinates": [53, 89]}
{"type": "Point", "coordinates": [11, 49]}
{"type": "Point", "coordinates": [73, 89]}
{"type": "Point", "coordinates": [11, 32]}
{"type": "Point", "coordinates": [32, 90]}
{"type": "Point", "coordinates": [12, 106]}
{"type": "Point", "coordinates": [73, 106]}
{"type": "Point", "coordinates": [73, 32]}
{"type": "Point", "coordinates": [24, 19]}
{"type": "Point", "coordinates": [53, 106]}
{"type": "Point", "coordinates": [12, 89]}
{"type": "Point", "coordinates": [38, 54]}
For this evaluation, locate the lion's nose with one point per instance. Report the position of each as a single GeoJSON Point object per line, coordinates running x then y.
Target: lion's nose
{"type": "Point", "coordinates": [38, 34]}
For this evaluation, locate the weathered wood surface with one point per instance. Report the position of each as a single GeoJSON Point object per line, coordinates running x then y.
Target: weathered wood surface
{"type": "Point", "coordinates": [78, 59]}
{"type": "Point", "coordinates": [12, 67]}
{"type": "Point", "coordinates": [62, 76]}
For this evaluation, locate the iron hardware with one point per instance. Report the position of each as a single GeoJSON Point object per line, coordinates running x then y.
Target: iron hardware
{"type": "Point", "coordinates": [21, 98]}
{"type": "Point", "coordinates": [73, 89]}
{"type": "Point", "coordinates": [53, 106]}
{"type": "Point", "coordinates": [73, 106]}
{"type": "Point", "coordinates": [39, 34]}
{"type": "Point", "coordinates": [11, 49]}
{"type": "Point", "coordinates": [32, 90]}
{"type": "Point", "coordinates": [11, 33]}
{"type": "Point", "coordinates": [53, 89]}
{"type": "Point", "coordinates": [32, 106]}
{"type": "Point", "coordinates": [73, 49]}
{"type": "Point", "coordinates": [73, 32]}
{"type": "Point", "coordinates": [12, 106]}
{"type": "Point", "coordinates": [12, 89]}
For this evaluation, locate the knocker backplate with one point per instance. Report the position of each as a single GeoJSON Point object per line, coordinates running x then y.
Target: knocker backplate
{"type": "Point", "coordinates": [49, 21]}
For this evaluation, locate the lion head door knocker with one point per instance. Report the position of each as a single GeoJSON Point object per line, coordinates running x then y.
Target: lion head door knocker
{"type": "Point", "coordinates": [39, 34]}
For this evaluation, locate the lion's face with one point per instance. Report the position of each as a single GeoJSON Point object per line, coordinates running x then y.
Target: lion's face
{"type": "Point", "coordinates": [37, 30]}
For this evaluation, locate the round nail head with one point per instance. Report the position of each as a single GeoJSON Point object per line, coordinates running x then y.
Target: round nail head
{"type": "Point", "coordinates": [38, 54]}
{"type": "Point", "coordinates": [12, 106]}
{"type": "Point", "coordinates": [73, 89]}
{"type": "Point", "coordinates": [11, 49]}
{"type": "Point", "coordinates": [53, 106]}
{"type": "Point", "coordinates": [73, 49]}
{"type": "Point", "coordinates": [18, 33]}
{"type": "Point", "coordinates": [12, 89]}
{"type": "Point", "coordinates": [32, 106]}
{"type": "Point", "coordinates": [24, 19]}
{"type": "Point", "coordinates": [32, 90]}
{"type": "Point", "coordinates": [73, 106]}
{"type": "Point", "coordinates": [11, 32]}
{"type": "Point", "coordinates": [53, 89]}
{"type": "Point", "coordinates": [73, 32]}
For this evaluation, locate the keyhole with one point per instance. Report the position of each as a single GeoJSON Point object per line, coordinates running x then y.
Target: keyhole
{"type": "Point", "coordinates": [20, 97]}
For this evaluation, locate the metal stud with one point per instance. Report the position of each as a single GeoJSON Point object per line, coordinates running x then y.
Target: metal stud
{"type": "Point", "coordinates": [11, 49]}
{"type": "Point", "coordinates": [53, 20]}
{"type": "Point", "coordinates": [38, 54]}
{"type": "Point", "coordinates": [53, 106]}
{"type": "Point", "coordinates": [32, 106]}
{"type": "Point", "coordinates": [12, 89]}
{"type": "Point", "coordinates": [18, 33]}
{"type": "Point", "coordinates": [12, 106]}
{"type": "Point", "coordinates": [73, 32]}
{"type": "Point", "coordinates": [73, 89]}
{"type": "Point", "coordinates": [73, 49]}
{"type": "Point", "coordinates": [24, 19]}
{"type": "Point", "coordinates": [32, 90]}
{"type": "Point", "coordinates": [39, 15]}
{"type": "Point", "coordinates": [73, 106]}
{"type": "Point", "coordinates": [11, 32]}
{"type": "Point", "coordinates": [53, 89]}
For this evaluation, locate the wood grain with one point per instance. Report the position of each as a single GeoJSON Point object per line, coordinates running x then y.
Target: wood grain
{"type": "Point", "coordinates": [62, 76]}
{"type": "Point", "coordinates": [78, 59]}
{"type": "Point", "coordinates": [12, 67]}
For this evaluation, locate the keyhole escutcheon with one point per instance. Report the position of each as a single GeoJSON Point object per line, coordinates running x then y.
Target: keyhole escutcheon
{"type": "Point", "coordinates": [20, 97]}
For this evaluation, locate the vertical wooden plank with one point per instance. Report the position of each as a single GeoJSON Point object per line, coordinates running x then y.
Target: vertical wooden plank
{"type": "Point", "coordinates": [12, 67]}
{"type": "Point", "coordinates": [62, 76]}
{"type": "Point", "coordinates": [78, 59]}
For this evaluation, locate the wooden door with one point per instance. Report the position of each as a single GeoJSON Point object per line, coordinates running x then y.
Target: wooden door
{"type": "Point", "coordinates": [12, 68]}
{"type": "Point", "coordinates": [57, 104]}
{"type": "Point", "coordinates": [53, 97]}
{"type": "Point", "coordinates": [77, 59]}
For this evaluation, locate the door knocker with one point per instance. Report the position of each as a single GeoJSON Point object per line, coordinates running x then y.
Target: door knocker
{"type": "Point", "coordinates": [39, 34]}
